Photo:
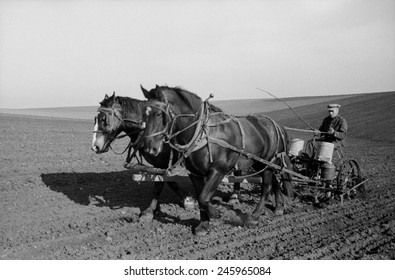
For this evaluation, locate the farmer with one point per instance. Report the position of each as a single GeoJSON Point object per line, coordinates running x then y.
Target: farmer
{"type": "Point", "coordinates": [333, 129]}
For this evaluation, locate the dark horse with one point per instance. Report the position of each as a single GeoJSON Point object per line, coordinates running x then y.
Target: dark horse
{"type": "Point", "coordinates": [123, 114]}
{"type": "Point", "coordinates": [214, 144]}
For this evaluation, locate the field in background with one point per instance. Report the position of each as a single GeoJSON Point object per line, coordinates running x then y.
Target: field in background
{"type": "Point", "coordinates": [82, 113]}
{"type": "Point", "coordinates": [236, 107]}
{"type": "Point", "coordinates": [369, 115]}
{"type": "Point", "coordinates": [59, 200]}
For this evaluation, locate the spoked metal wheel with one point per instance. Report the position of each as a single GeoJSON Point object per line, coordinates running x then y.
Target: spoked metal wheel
{"type": "Point", "coordinates": [349, 179]}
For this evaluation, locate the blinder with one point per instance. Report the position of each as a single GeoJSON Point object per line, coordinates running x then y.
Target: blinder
{"type": "Point", "coordinates": [109, 122]}
{"type": "Point", "coordinates": [167, 112]}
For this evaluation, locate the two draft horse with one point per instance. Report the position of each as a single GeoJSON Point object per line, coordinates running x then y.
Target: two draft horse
{"type": "Point", "coordinates": [123, 114]}
{"type": "Point", "coordinates": [215, 144]}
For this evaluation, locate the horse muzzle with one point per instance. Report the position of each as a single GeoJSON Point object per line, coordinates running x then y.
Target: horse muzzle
{"type": "Point", "coordinates": [97, 150]}
{"type": "Point", "coordinates": [100, 144]}
{"type": "Point", "coordinates": [152, 151]}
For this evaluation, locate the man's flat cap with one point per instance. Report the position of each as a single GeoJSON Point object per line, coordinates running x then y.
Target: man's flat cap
{"type": "Point", "coordinates": [333, 106]}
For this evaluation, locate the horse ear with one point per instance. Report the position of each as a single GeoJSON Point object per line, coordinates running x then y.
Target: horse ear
{"type": "Point", "coordinates": [160, 95]}
{"type": "Point", "coordinates": [113, 96]}
{"type": "Point", "coordinates": [103, 101]}
{"type": "Point", "coordinates": [145, 92]}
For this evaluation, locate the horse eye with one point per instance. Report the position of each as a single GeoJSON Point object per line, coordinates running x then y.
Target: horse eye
{"type": "Point", "coordinates": [158, 114]}
{"type": "Point", "coordinates": [102, 118]}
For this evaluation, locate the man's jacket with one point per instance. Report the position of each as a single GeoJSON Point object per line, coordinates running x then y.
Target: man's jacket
{"type": "Point", "coordinates": [339, 124]}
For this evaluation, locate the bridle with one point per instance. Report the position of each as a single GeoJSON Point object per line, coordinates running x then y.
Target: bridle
{"type": "Point", "coordinates": [170, 118]}
{"type": "Point", "coordinates": [202, 116]}
{"type": "Point", "coordinates": [112, 114]}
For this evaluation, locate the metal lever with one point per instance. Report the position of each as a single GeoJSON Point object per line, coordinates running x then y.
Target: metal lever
{"type": "Point", "coordinates": [208, 98]}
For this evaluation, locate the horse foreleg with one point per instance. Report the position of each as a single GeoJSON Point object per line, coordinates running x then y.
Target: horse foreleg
{"type": "Point", "coordinates": [154, 207]}
{"type": "Point", "coordinates": [205, 191]}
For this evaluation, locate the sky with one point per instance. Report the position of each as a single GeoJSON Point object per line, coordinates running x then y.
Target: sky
{"type": "Point", "coordinates": [72, 53]}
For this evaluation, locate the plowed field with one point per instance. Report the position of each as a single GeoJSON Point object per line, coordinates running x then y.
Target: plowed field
{"type": "Point", "coordinates": [59, 200]}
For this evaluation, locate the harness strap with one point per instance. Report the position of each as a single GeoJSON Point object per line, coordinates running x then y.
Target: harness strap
{"type": "Point", "coordinates": [202, 138]}
{"type": "Point", "coordinates": [256, 158]}
{"type": "Point", "coordinates": [243, 144]}
{"type": "Point", "coordinates": [199, 123]}
{"type": "Point", "coordinates": [228, 120]}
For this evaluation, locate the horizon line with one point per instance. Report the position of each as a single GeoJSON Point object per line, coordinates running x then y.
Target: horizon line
{"type": "Point", "coordinates": [219, 100]}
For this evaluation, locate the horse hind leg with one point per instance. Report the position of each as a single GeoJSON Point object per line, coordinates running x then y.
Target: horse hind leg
{"type": "Point", "coordinates": [278, 195]}
{"type": "Point", "coordinates": [288, 187]}
{"type": "Point", "coordinates": [266, 188]}
{"type": "Point", "coordinates": [154, 207]}
{"type": "Point", "coordinates": [235, 196]}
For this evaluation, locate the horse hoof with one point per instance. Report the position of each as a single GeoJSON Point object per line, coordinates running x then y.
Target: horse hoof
{"type": "Point", "coordinates": [146, 217]}
{"type": "Point", "coordinates": [134, 219]}
{"type": "Point", "coordinates": [251, 222]}
{"type": "Point", "coordinates": [279, 212]}
{"type": "Point", "coordinates": [319, 205]}
{"type": "Point", "coordinates": [202, 230]}
{"type": "Point", "coordinates": [189, 203]}
{"type": "Point", "coordinates": [201, 233]}
{"type": "Point", "coordinates": [213, 212]}
{"type": "Point", "coordinates": [234, 199]}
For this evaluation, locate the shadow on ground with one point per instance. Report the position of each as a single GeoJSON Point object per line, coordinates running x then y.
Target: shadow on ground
{"type": "Point", "coordinates": [112, 189]}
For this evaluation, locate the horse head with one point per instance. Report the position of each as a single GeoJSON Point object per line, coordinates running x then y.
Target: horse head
{"type": "Point", "coordinates": [115, 115]}
{"type": "Point", "coordinates": [170, 115]}
{"type": "Point", "coordinates": [156, 115]}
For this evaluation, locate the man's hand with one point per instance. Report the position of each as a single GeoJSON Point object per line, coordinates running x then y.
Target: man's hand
{"type": "Point", "coordinates": [317, 133]}
{"type": "Point", "coordinates": [331, 130]}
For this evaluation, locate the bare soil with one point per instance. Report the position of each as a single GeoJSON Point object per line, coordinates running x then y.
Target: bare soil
{"type": "Point", "coordinates": [59, 200]}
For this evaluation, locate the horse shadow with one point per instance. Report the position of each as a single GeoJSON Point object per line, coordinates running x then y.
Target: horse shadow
{"type": "Point", "coordinates": [114, 190]}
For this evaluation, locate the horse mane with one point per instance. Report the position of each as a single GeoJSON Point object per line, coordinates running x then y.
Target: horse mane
{"type": "Point", "coordinates": [189, 98]}
{"type": "Point", "coordinates": [130, 106]}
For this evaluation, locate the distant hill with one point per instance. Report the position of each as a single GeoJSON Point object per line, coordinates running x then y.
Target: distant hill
{"type": "Point", "coordinates": [264, 105]}
{"type": "Point", "coordinates": [370, 115]}
{"type": "Point", "coordinates": [83, 112]}
{"type": "Point", "coordinates": [235, 107]}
